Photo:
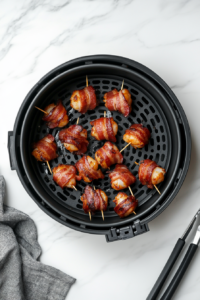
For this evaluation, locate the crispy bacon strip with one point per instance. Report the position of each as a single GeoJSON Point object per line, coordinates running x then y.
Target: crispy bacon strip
{"type": "Point", "coordinates": [57, 115]}
{"type": "Point", "coordinates": [119, 101]}
{"type": "Point", "coordinates": [65, 176]}
{"type": "Point", "coordinates": [121, 177]}
{"type": "Point", "coordinates": [125, 204]}
{"type": "Point", "coordinates": [94, 200]}
{"type": "Point", "coordinates": [84, 100]}
{"type": "Point", "coordinates": [150, 173]}
{"type": "Point", "coordinates": [137, 135]}
{"type": "Point", "coordinates": [104, 129]}
{"type": "Point", "coordinates": [88, 169]}
{"type": "Point", "coordinates": [108, 155]}
{"type": "Point", "coordinates": [45, 149]}
{"type": "Point", "coordinates": [74, 139]}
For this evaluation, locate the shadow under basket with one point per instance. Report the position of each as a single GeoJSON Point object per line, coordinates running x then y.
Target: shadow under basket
{"type": "Point", "coordinates": [154, 105]}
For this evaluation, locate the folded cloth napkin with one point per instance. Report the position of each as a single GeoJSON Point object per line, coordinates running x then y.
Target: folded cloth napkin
{"type": "Point", "coordinates": [22, 276]}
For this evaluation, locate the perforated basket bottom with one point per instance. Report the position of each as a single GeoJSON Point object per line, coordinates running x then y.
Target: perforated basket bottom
{"type": "Point", "coordinates": [144, 110]}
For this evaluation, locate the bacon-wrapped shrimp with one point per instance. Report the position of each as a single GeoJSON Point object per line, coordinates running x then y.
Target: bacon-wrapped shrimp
{"type": "Point", "coordinates": [150, 173]}
{"type": "Point", "coordinates": [137, 135]}
{"type": "Point", "coordinates": [119, 101]}
{"type": "Point", "coordinates": [94, 200]}
{"type": "Point", "coordinates": [74, 139]}
{"type": "Point", "coordinates": [88, 169]}
{"type": "Point", "coordinates": [56, 115]}
{"type": "Point", "coordinates": [84, 100]}
{"type": "Point", "coordinates": [65, 176]}
{"type": "Point", "coordinates": [104, 129]}
{"type": "Point", "coordinates": [45, 149]}
{"type": "Point", "coordinates": [121, 177]}
{"type": "Point", "coordinates": [108, 155]}
{"type": "Point", "coordinates": [125, 204]}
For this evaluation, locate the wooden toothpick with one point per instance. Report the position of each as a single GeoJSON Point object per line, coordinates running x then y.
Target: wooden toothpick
{"type": "Point", "coordinates": [86, 80]}
{"type": "Point", "coordinates": [104, 113]}
{"type": "Point", "coordinates": [49, 167]}
{"type": "Point", "coordinates": [131, 191]}
{"type": "Point", "coordinates": [101, 210]}
{"type": "Point", "coordinates": [133, 196]}
{"type": "Point", "coordinates": [77, 121]}
{"type": "Point", "coordinates": [125, 147]}
{"type": "Point", "coordinates": [74, 188]}
{"type": "Point", "coordinates": [90, 215]}
{"type": "Point", "coordinates": [42, 110]}
{"type": "Point", "coordinates": [122, 85]}
{"type": "Point", "coordinates": [157, 189]}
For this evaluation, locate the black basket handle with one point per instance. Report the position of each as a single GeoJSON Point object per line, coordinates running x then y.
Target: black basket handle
{"type": "Point", "coordinates": [11, 150]}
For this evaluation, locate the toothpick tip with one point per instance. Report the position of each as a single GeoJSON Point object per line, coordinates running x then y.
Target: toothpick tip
{"type": "Point", "coordinates": [131, 191]}
{"type": "Point", "coordinates": [122, 85]}
{"type": "Point", "coordinates": [157, 189]}
{"type": "Point", "coordinates": [49, 167]}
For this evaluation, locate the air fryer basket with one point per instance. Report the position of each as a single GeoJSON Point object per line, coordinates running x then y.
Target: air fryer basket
{"type": "Point", "coordinates": [154, 105]}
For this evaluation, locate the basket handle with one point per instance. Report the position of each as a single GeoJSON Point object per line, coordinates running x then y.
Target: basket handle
{"type": "Point", "coordinates": [11, 150]}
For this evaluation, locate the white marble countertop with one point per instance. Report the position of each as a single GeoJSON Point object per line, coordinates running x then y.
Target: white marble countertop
{"type": "Point", "coordinates": [36, 36]}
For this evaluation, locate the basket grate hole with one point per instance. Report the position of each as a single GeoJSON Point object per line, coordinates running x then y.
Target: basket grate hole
{"type": "Point", "coordinates": [135, 108]}
{"type": "Point", "coordinates": [145, 100]}
{"type": "Point", "coordinates": [61, 196]}
{"type": "Point", "coordinates": [162, 157]}
{"type": "Point", "coordinates": [65, 191]}
{"type": "Point", "coordinates": [79, 206]}
{"type": "Point", "coordinates": [134, 91]}
{"type": "Point", "coordinates": [52, 187]}
{"type": "Point", "coordinates": [157, 118]}
{"type": "Point", "coordinates": [143, 117]}
{"type": "Point", "coordinates": [152, 109]}
{"type": "Point", "coordinates": [139, 103]}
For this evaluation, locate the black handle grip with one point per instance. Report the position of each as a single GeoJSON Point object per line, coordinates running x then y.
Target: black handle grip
{"type": "Point", "coordinates": [180, 272]}
{"type": "Point", "coordinates": [166, 270]}
{"type": "Point", "coordinates": [11, 149]}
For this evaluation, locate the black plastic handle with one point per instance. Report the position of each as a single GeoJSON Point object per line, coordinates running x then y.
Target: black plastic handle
{"type": "Point", "coordinates": [11, 149]}
{"type": "Point", "coordinates": [166, 270]}
{"type": "Point", "coordinates": [180, 272]}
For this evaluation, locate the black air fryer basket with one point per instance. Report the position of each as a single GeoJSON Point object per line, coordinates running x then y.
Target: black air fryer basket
{"type": "Point", "coordinates": [154, 105]}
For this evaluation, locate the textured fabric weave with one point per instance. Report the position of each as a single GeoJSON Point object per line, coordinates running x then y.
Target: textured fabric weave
{"type": "Point", "coordinates": [22, 276]}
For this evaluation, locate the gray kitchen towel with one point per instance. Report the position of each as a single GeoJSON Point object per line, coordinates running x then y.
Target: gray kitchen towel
{"type": "Point", "coordinates": [22, 276]}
